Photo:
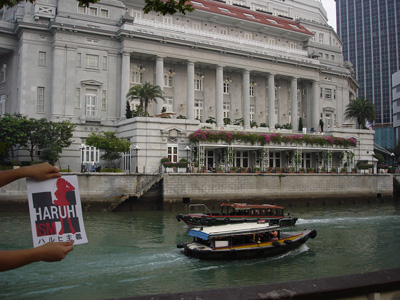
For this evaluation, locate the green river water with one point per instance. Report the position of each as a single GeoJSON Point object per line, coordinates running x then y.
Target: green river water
{"type": "Point", "coordinates": [134, 253]}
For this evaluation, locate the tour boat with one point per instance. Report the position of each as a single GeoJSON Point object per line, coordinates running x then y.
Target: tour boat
{"type": "Point", "coordinates": [236, 213]}
{"type": "Point", "coordinates": [242, 241]}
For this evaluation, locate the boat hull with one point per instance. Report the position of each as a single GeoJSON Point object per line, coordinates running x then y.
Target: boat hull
{"type": "Point", "coordinates": [210, 220]}
{"type": "Point", "coordinates": [261, 250]}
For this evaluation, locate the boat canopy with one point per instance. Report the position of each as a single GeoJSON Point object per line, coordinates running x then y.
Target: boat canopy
{"type": "Point", "coordinates": [242, 206]}
{"type": "Point", "coordinates": [210, 232]}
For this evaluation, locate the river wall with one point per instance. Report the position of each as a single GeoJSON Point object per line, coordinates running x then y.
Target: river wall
{"type": "Point", "coordinates": [284, 189]}
{"type": "Point", "coordinates": [98, 190]}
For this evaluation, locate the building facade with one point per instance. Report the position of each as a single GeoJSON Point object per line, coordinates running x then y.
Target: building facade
{"type": "Point", "coordinates": [396, 104]}
{"type": "Point", "coordinates": [370, 31]}
{"type": "Point", "coordinates": [251, 66]}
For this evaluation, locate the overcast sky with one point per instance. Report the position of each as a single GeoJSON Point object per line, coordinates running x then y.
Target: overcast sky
{"type": "Point", "coordinates": [330, 7]}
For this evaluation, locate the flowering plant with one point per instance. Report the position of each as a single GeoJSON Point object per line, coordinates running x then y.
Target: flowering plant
{"type": "Point", "coordinates": [262, 139]}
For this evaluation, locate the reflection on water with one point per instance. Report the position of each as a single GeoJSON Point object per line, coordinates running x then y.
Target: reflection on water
{"type": "Point", "coordinates": [134, 253]}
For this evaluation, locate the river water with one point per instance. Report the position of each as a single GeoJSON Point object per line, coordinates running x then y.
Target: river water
{"type": "Point", "coordinates": [134, 253]}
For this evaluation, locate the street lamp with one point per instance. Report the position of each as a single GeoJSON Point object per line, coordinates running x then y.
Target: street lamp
{"type": "Point", "coordinates": [136, 149]}
{"type": "Point", "coordinates": [187, 149]}
{"type": "Point", "coordinates": [372, 160]}
{"type": "Point", "coordinates": [81, 147]}
{"type": "Point", "coordinates": [392, 159]}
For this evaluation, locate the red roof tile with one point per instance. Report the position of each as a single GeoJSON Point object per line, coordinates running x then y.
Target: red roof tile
{"type": "Point", "coordinates": [233, 11]}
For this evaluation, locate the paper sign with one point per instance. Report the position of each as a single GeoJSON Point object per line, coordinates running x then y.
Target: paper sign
{"type": "Point", "coordinates": [56, 211]}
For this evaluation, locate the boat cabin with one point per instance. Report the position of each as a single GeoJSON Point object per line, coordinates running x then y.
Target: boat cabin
{"type": "Point", "coordinates": [244, 209]}
{"type": "Point", "coordinates": [217, 237]}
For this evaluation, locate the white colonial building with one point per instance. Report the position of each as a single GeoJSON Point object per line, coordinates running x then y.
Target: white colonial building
{"type": "Point", "coordinates": [260, 64]}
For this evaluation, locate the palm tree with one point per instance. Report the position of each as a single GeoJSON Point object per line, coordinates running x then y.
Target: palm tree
{"type": "Point", "coordinates": [145, 93]}
{"type": "Point", "coordinates": [361, 110]}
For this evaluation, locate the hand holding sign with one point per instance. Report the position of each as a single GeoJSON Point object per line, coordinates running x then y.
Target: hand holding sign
{"type": "Point", "coordinates": [56, 211]}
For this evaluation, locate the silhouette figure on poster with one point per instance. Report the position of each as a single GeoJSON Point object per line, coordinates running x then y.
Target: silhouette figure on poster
{"type": "Point", "coordinates": [63, 187]}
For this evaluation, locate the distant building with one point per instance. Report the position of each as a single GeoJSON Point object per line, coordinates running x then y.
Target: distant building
{"type": "Point", "coordinates": [261, 65]}
{"type": "Point", "coordinates": [396, 105]}
{"type": "Point", "coordinates": [370, 31]}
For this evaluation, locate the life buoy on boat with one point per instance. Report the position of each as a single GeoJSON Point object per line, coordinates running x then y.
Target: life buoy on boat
{"type": "Point", "coordinates": [287, 242]}
{"type": "Point", "coordinates": [276, 244]}
{"type": "Point", "coordinates": [226, 220]}
{"type": "Point", "coordinates": [214, 219]}
{"type": "Point", "coordinates": [313, 234]}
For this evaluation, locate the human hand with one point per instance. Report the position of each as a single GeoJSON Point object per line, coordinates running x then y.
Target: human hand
{"type": "Point", "coordinates": [41, 171]}
{"type": "Point", "coordinates": [51, 252]}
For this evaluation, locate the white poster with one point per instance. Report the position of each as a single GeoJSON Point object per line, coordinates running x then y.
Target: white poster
{"type": "Point", "coordinates": [56, 211]}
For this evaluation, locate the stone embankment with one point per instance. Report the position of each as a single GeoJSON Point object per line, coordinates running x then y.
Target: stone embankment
{"type": "Point", "coordinates": [99, 191]}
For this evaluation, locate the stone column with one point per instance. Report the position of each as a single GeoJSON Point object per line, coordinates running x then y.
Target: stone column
{"type": "Point", "coordinates": [190, 91]}
{"type": "Point", "coordinates": [293, 109]}
{"type": "Point", "coordinates": [271, 101]}
{"type": "Point", "coordinates": [58, 86]}
{"type": "Point", "coordinates": [70, 82]}
{"type": "Point", "coordinates": [246, 98]}
{"type": "Point", "coordinates": [219, 96]}
{"type": "Point", "coordinates": [125, 68]}
{"type": "Point", "coordinates": [314, 120]}
{"type": "Point", "coordinates": [159, 82]}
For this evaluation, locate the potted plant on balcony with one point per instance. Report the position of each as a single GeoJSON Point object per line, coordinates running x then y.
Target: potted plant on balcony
{"type": "Point", "coordinates": [268, 170]}
{"type": "Point", "coordinates": [343, 171]}
{"type": "Point", "coordinates": [278, 170]}
{"type": "Point", "coordinates": [233, 169]}
{"type": "Point", "coordinates": [257, 170]}
{"type": "Point", "coordinates": [291, 169]}
{"type": "Point", "coordinates": [302, 170]}
{"type": "Point", "coordinates": [219, 169]}
{"type": "Point", "coordinates": [333, 170]}
{"type": "Point", "coordinates": [310, 170]}
{"type": "Point", "coordinates": [323, 170]}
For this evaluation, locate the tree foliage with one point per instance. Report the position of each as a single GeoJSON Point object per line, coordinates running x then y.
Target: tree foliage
{"type": "Point", "coordinates": [13, 133]}
{"type": "Point", "coordinates": [164, 7]}
{"type": "Point", "coordinates": [59, 137]}
{"type": "Point", "coordinates": [110, 144]}
{"type": "Point", "coordinates": [145, 93]}
{"type": "Point", "coordinates": [19, 133]}
{"type": "Point", "coordinates": [360, 109]}
{"type": "Point", "coordinates": [168, 7]}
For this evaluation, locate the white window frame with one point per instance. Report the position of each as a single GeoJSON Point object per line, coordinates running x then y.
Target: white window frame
{"type": "Point", "coordinates": [226, 87]}
{"type": "Point", "coordinates": [105, 63]}
{"type": "Point", "coordinates": [198, 82]}
{"type": "Point", "coordinates": [198, 109]}
{"type": "Point", "coordinates": [92, 61]}
{"type": "Point", "coordinates": [104, 13]}
{"type": "Point", "coordinates": [226, 109]}
{"type": "Point", "coordinates": [138, 74]}
{"type": "Point", "coordinates": [79, 60]}
{"type": "Point", "coordinates": [93, 11]}
{"type": "Point", "coordinates": [103, 100]}
{"type": "Point", "coordinates": [328, 93]}
{"type": "Point", "coordinates": [168, 80]}
{"type": "Point", "coordinates": [252, 112]}
{"type": "Point", "coordinates": [40, 94]}
{"type": "Point", "coordinates": [168, 104]}
{"type": "Point", "coordinates": [321, 38]}
{"type": "Point", "coordinates": [42, 59]}
{"type": "Point", "coordinates": [172, 152]}
{"type": "Point", "coordinates": [91, 103]}
{"type": "Point", "coordinates": [78, 98]}
{"type": "Point", "coordinates": [90, 154]}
